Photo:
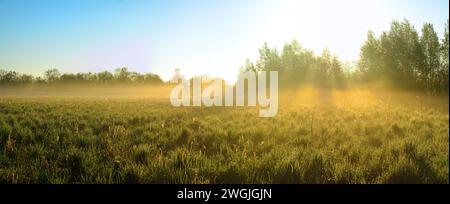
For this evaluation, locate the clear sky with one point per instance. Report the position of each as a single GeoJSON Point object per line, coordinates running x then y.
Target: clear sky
{"type": "Point", "coordinates": [211, 37]}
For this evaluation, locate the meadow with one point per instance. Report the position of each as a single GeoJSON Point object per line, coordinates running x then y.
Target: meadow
{"type": "Point", "coordinates": [355, 135]}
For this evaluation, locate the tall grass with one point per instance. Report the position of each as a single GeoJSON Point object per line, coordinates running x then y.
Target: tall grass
{"type": "Point", "coordinates": [318, 136]}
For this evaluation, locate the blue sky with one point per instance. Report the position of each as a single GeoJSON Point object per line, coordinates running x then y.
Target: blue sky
{"type": "Point", "coordinates": [211, 37]}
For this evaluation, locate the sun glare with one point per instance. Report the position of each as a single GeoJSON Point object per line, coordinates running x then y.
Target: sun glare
{"type": "Point", "coordinates": [337, 25]}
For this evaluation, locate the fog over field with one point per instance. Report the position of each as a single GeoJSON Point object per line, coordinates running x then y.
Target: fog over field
{"type": "Point", "coordinates": [224, 92]}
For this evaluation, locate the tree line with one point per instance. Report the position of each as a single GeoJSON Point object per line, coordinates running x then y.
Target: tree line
{"type": "Point", "coordinates": [297, 65]}
{"type": "Point", "coordinates": [401, 56]}
{"type": "Point", "coordinates": [54, 76]}
{"type": "Point", "coordinates": [407, 58]}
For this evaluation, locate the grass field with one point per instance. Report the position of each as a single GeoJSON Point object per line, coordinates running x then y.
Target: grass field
{"type": "Point", "coordinates": [352, 136]}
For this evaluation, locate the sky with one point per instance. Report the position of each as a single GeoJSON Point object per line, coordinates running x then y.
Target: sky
{"type": "Point", "coordinates": [212, 37]}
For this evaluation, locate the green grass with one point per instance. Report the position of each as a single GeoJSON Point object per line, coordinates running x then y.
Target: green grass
{"type": "Point", "coordinates": [146, 140]}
